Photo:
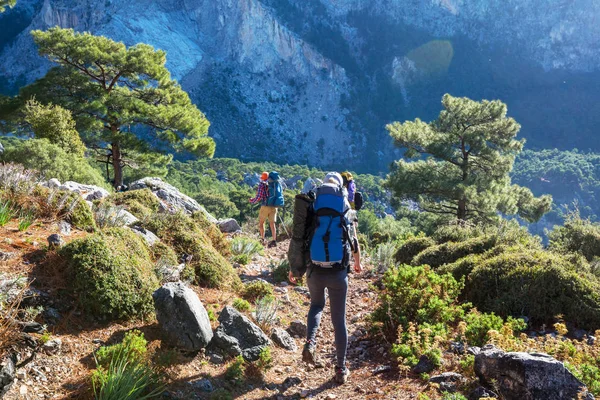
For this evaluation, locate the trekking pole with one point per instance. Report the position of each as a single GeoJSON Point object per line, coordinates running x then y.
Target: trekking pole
{"type": "Point", "coordinates": [283, 225]}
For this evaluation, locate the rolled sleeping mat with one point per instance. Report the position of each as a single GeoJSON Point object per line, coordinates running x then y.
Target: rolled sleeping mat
{"type": "Point", "coordinates": [301, 218]}
{"type": "Point", "coordinates": [298, 256]}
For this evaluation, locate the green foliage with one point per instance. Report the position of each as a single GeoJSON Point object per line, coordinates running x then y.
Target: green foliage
{"type": "Point", "coordinates": [471, 149]}
{"type": "Point", "coordinates": [133, 348]}
{"type": "Point", "coordinates": [479, 324]}
{"type": "Point", "coordinates": [186, 235]}
{"type": "Point", "coordinates": [449, 252]}
{"type": "Point", "coordinates": [7, 212]}
{"type": "Point", "coordinates": [241, 305]}
{"type": "Point", "coordinates": [411, 247]}
{"type": "Point", "coordinates": [280, 271]}
{"type": "Point", "coordinates": [111, 272]}
{"type": "Point", "coordinates": [382, 230]}
{"type": "Point", "coordinates": [265, 313]}
{"type": "Point", "coordinates": [52, 160]}
{"type": "Point", "coordinates": [257, 289]}
{"type": "Point", "coordinates": [246, 245]}
{"type": "Point", "coordinates": [589, 374]}
{"type": "Point", "coordinates": [242, 259]}
{"type": "Point", "coordinates": [221, 394]}
{"type": "Point", "coordinates": [217, 204]}
{"type": "Point", "coordinates": [26, 219]}
{"type": "Point", "coordinates": [384, 256]}
{"type": "Point", "coordinates": [127, 379]}
{"type": "Point", "coordinates": [453, 396]}
{"type": "Point", "coordinates": [110, 88]}
{"type": "Point", "coordinates": [141, 203]}
{"type": "Point", "coordinates": [536, 283]}
{"type": "Point", "coordinates": [419, 295]}
{"type": "Point", "coordinates": [56, 124]}
{"type": "Point", "coordinates": [235, 371]}
{"type": "Point", "coordinates": [211, 315]}
{"type": "Point", "coordinates": [577, 235]}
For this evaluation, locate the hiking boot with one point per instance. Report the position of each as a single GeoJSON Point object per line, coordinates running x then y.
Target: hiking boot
{"type": "Point", "coordinates": [308, 353]}
{"type": "Point", "coordinates": [272, 243]}
{"type": "Point", "coordinates": [341, 375]}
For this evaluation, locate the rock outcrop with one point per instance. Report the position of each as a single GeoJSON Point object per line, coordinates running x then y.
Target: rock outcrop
{"type": "Point", "coordinates": [171, 198]}
{"type": "Point", "coordinates": [527, 376]}
{"type": "Point", "coordinates": [182, 317]}
{"type": "Point", "coordinates": [238, 335]}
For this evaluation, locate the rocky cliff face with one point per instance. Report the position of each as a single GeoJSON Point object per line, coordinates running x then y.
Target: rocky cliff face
{"type": "Point", "coordinates": [316, 80]}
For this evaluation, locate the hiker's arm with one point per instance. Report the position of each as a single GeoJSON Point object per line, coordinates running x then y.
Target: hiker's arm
{"type": "Point", "coordinates": [356, 255]}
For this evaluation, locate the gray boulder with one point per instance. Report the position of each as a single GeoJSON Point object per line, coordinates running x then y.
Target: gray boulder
{"type": "Point", "coordinates": [170, 273]}
{"type": "Point", "coordinates": [182, 317]}
{"type": "Point", "coordinates": [171, 198]}
{"type": "Point", "coordinates": [425, 365]}
{"type": "Point", "coordinates": [53, 183]}
{"type": "Point", "coordinates": [7, 374]}
{"type": "Point", "coordinates": [229, 225]}
{"type": "Point", "coordinates": [88, 192]}
{"type": "Point", "coordinates": [527, 376]}
{"type": "Point", "coordinates": [149, 237]}
{"type": "Point", "coordinates": [448, 381]}
{"type": "Point", "coordinates": [238, 335]}
{"type": "Point", "coordinates": [283, 339]}
{"type": "Point", "coordinates": [65, 228]}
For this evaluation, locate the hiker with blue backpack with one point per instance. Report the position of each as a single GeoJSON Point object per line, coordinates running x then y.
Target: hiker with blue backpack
{"type": "Point", "coordinates": [270, 196]}
{"type": "Point", "coordinates": [323, 245]}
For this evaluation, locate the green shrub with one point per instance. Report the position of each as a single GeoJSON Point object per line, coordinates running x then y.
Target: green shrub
{"type": "Point", "coordinates": [535, 283]}
{"type": "Point", "coordinates": [26, 219]}
{"type": "Point", "coordinates": [411, 247]}
{"type": "Point", "coordinates": [419, 295]}
{"type": "Point", "coordinates": [141, 203]}
{"type": "Point", "coordinates": [450, 252]}
{"type": "Point", "coordinates": [242, 259]}
{"type": "Point", "coordinates": [217, 204]}
{"type": "Point", "coordinates": [246, 245]}
{"type": "Point", "coordinates": [235, 371]}
{"type": "Point", "coordinates": [221, 394]}
{"type": "Point", "coordinates": [266, 312]}
{"type": "Point", "coordinates": [52, 161]}
{"type": "Point", "coordinates": [456, 233]}
{"type": "Point", "coordinates": [384, 256]}
{"type": "Point", "coordinates": [280, 271]}
{"type": "Point", "coordinates": [133, 348]}
{"type": "Point", "coordinates": [258, 368]}
{"type": "Point", "coordinates": [214, 234]}
{"type": "Point", "coordinates": [479, 324]}
{"type": "Point", "coordinates": [7, 212]}
{"type": "Point", "coordinates": [111, 272]}
{"type": "Point", "coordinates": [577, 236]}
{"type": "Point", "coordinates": [164, 253]}
{"type": "Point", "coordinates": [184, 235]}
{"type": "Point", "coordinates": [241, 305]}
{"type": "Point", "coordinates": [257, 289]}
{"type": "Point", "coordinates": [127, 380]}
{"type": "Point", "coordinates": [589, 374]}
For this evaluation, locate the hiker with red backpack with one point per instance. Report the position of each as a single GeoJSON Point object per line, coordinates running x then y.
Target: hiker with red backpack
{"type": "Point", "coordinates": [270, 196]}
{"type": "Point", "coordinates": [323, 244]}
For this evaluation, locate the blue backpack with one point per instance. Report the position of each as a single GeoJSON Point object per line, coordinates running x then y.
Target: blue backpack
{"type": "Point", "coordinates": [330, 243]}
{"type": "Point", "coordinates": [275, 198]}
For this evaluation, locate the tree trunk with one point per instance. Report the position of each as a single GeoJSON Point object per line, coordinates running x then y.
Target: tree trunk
{"type": "Point", "coordinates": [461, 212]}
{"type": "Point", "coordinates": [117, 167]}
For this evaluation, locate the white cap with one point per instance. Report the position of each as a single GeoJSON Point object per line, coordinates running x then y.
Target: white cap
{"type": "Point", "coordinates": [334, 177]}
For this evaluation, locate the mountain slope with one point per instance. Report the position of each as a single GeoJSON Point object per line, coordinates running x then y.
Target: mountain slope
{"type": "Point", "coordinates": [315, 81]}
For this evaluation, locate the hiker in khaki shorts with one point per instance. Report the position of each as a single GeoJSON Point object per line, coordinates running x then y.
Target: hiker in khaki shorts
{"type": "Point", "coordinates": [266, 212]}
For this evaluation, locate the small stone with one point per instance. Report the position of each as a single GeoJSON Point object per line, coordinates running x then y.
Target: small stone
{"type": "Point", "coordinates": [64, 227]}
{"type": "Point", "coordinates": [297, 329]}
{"type": "Point", "coordinates": [474, 350]}
{"type": "Point", "coordinates": [331, 396]}
{"type": "Point", "coordinates": [55, 241]}
{"type": "Point", "coordinates": [381, 369]}
{"type": "Point", "coordinates": [23, 390]}
{"type": "Point", "coordinates": [53, 183]}
{"type": "Point", "coordinates": [216, 358]}
{"type": "Point", "coordinates": [304, 393]}
{"type": "Point", "coordinates": [203, 384]}
{"type": "Point", "coordinates": [424, 365]}
{"type": "Point", "coordinates": [21, 375]}
{"type": "Point", "coordinates": [283, 339]}
{"type": "Point", "coordinates": [457, 348]}
{"type": "Point", "coordinates": [591, 340]}
{"type": "Point", "coordinates": [52, 346]}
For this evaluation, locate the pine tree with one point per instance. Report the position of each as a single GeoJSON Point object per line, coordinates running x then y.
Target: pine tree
{"type": "Point", "coordinates": [466, 156]}
{"type": "Point", "coordinates": [123, 98]}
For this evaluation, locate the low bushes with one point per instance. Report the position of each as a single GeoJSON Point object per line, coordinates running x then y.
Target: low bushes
{"type": "Point", "coordinates": [141, 203]}
{"type": "Point", "coordinates": [111, 273]}
{"type": "Point", "coordinates": [449, 252]}
{"type": "Point", "coordinates": [535, 283]}
{"type": "Point", "coordinates": [411, 247]}
{"type": "Point", "coordinates": [577, 236]}
{"type": "Point", "coordinates": [257, 289]}
{"type": "Point", "coordinates": [186, 236]}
